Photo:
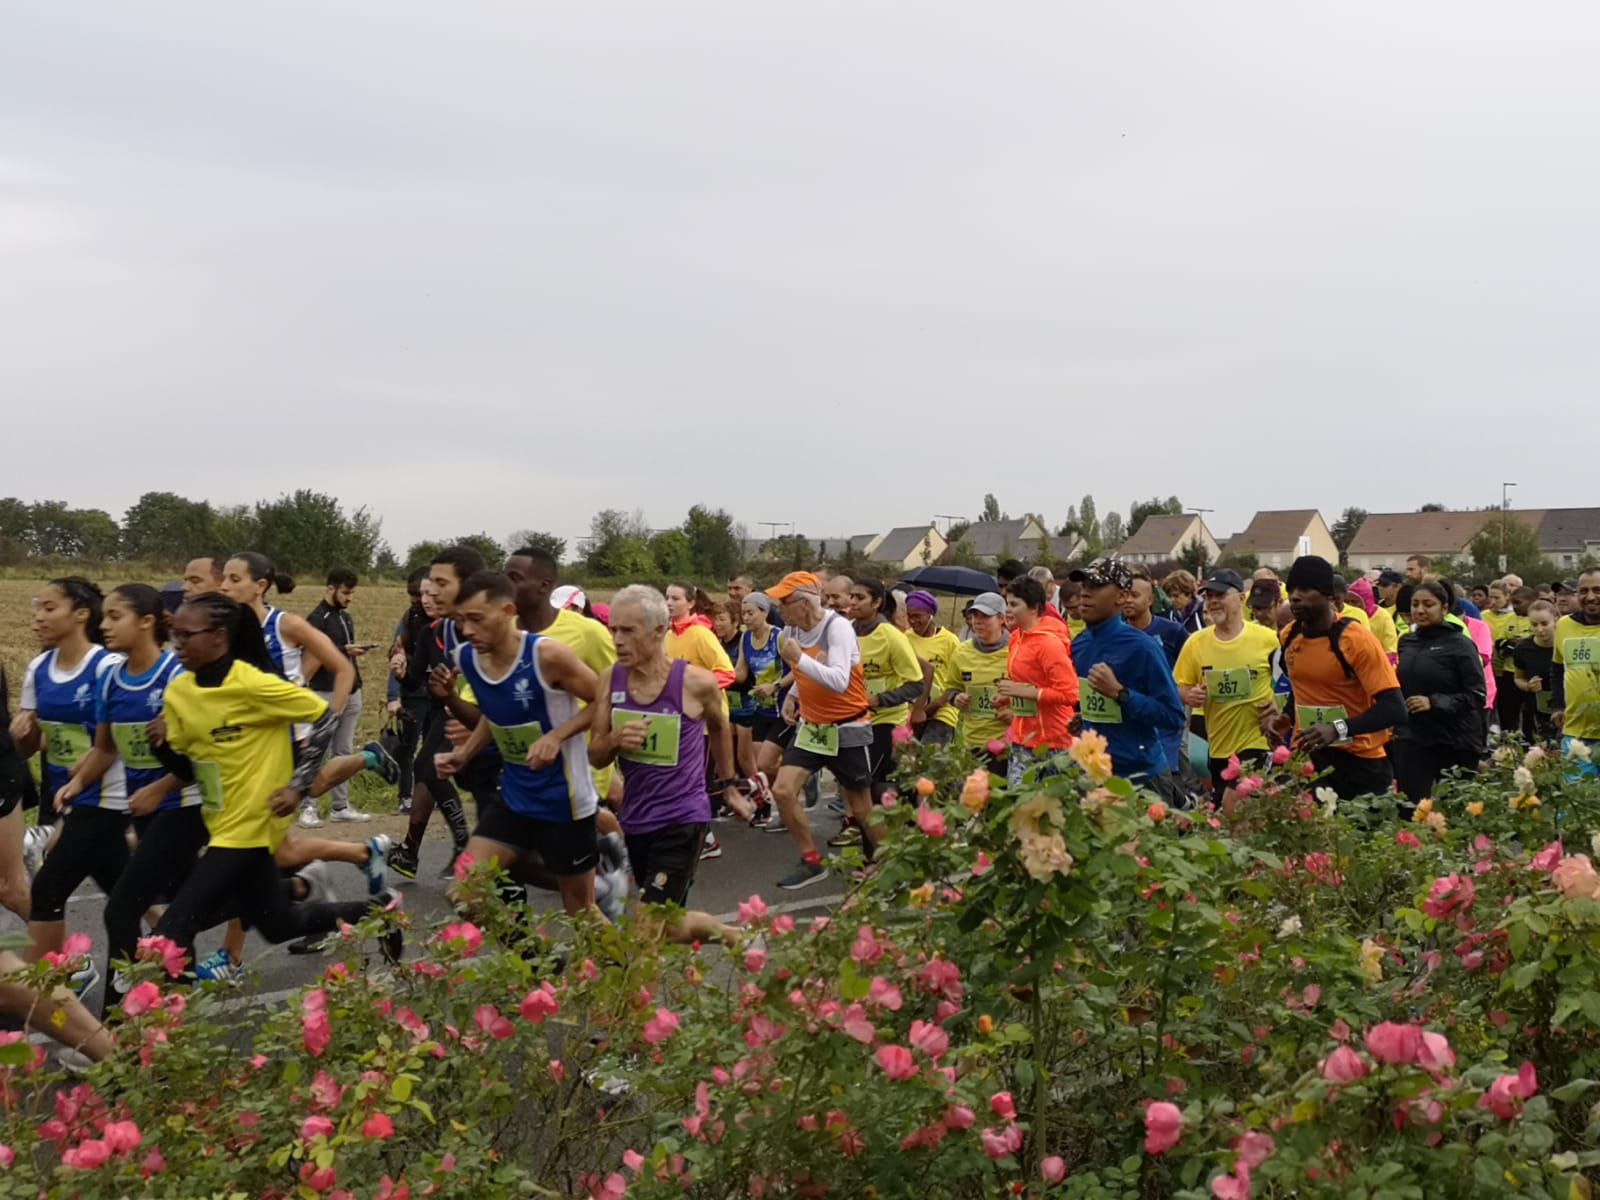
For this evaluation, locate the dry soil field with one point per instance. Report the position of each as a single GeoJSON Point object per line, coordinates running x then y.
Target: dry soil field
{"type": "Point", "coordinates": [376, 611]}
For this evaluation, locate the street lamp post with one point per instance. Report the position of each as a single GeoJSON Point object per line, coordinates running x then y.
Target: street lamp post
{"type": "Point", "coordinates": [1197, 512]}
{"type": "Point", "coordinates": [1505, 509]}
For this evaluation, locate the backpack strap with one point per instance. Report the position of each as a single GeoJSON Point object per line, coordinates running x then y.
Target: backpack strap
{"type": "Point", "coordinates": [1334, 634]}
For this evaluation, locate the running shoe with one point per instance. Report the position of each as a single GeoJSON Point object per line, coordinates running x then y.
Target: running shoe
{"type": "Point", "coordinates": [804, 875]}
{"type": "Point", "coordinates": [84, 978]}
{"type": "Point", "coordinates": [376, 868]}
{"type": "Point", "coordinates": [219, 967]}
{"type": "Point", "coordinates": [403, 861]}
{"type": "Point", "coordinates": [309, 818]}
{"type": "Point", "coordinates": [813, 792]}
{"type": "Point", "coordinates": [712, 847]}
{"type": "Point", "coordinates": [34, 839]}
{"type": "Point", "coordinates": [848, 836]}
{"type": "Point", "coordinates": [773, 823]}
{"type": "Point", "coordinates": [836, 805]}
{"type": "Point", "coordinates": [405, 805]}
{"type": "Point", "coordinates": [611, 880]}
{"type": "Point", "coordinates": [349, 813]}
{"type": "Point", "coordinates": [386, 764]}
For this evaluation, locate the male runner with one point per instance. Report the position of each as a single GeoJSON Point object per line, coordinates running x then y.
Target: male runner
{"type": "Point", "coordinates": [1346, 695]}
{"type": "Point", "coordinates": [1576, 704]}
{"type": "Point", "coordinates": [331, 617]}
{"type": "Point", "coordinates": [656, 715]}
{"type": "Point", "coordinates": [535, 701]}
{"type": "Point", "coordinates": [835, 731]}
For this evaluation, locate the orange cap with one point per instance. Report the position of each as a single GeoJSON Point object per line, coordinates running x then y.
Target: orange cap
{"type": "Point", "coordinates": [803, 582]}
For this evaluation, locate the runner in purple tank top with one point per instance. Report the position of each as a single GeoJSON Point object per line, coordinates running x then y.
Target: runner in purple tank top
{"type": "Point", "coordinates": [658, 718]}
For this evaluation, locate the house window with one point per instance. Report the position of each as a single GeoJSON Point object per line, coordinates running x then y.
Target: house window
{"type": "Point", "coordinates": [1569, 560]}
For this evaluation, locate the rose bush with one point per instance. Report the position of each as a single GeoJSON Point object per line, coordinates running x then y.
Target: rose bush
{"type": "Point", "coordinates": [1064, 989]}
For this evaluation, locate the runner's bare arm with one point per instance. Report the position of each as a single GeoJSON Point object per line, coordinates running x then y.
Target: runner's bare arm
{"type": "Point", "coordinates": [319, 646]}
{"type": "Point", "coordinates": [603, 744]}
{"type": "Point", "coordinates": [702, 686]}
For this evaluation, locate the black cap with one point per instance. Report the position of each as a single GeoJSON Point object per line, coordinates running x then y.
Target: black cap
{"type": "Point", "coordinates": [172, 595]}
{"type": "Point", "coordinates": [1223, 580]}
{"type": "Point", "coordinates": [1103, 571]}
{"type": "Point", "coordinates": [1311, 573]}
{"type": "Point", "coordinates": [1389, 577]}
{"type": "Point", "coordinates": [1264, 592]}
{"type": "Point", "coordinates": [1339, 584]}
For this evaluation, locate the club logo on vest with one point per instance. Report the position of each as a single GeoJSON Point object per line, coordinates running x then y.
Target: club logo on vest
{"type": "Point", "coordinates": [521, 694]}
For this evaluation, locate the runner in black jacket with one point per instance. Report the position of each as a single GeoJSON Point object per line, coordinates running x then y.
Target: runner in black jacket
{"type": "Point", "coordinates": [1441, 676]}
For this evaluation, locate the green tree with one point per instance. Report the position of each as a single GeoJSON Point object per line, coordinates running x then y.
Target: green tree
{"type": "Point", "coordinates": [537, 539]}
{"type": "Point", "coordinates": [991, 509]}
{"type": "Point", "coordinates": [307, 532]}
{"type": "Point", "coordinates": [61, 532]}
{"type": "Point", "coordinates": [672, 554]}
{"type": "Point", "coordinates": [1083, 530]}
{"type": "Point", "coordinates": [98, 534]}
{"type": "Point", "coordinates": [1345, 529]}
{"type": "Point", "coordinates": [715, 547]}
{"type": "Point", "coordinates": [1112, 534]}
{"type": "Point", "coordinates": [421, 554]}
{"type": "Point", "coordinates": [1433, 506]}
{"type": "Point", "coordinates": [962, 554]}
{"type": "Point", "coordinates": [1193, 557]}
{"type": "Point", "coordinates": [386, 563]}
{"type": "Point", "coordinates": [234, 528]}
{"type": "Point", "coordinates": [792, 552]}
{"type": "Point", "coordinates": [619, 545]}
{"type": "Point", "coordinates": [1524, 556]}
{"type": "Point", "coordinates": [1153, 507]}
{"type": "Point", "coordinates": [167, 528]}
{"type": "Point", "coordinates": [1244, 563]}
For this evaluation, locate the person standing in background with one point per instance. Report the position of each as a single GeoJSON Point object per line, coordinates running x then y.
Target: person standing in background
{"type": "Point", "coordinates": [331, 617]}
{"type": "Point", "coordinates": [408, 695]}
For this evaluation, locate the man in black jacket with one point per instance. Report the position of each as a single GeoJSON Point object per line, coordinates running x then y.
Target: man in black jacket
{"type": "Point", "coordinates": [332, 617]}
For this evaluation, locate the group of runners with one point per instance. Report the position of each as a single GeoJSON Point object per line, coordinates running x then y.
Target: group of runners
{"type": "Point", "coordinates": [180, 740]}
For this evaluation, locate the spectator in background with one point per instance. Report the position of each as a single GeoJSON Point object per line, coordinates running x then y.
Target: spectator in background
{"type": "Point", "coordinates": [408, 694]}
{"type": "Point", "coordinates": [331, 617]}
{"type": "Point", "coordinates": [1388, 587]}
{"type": "Point", "coordinates": [739, 586]}
{"type": "Point", "coordinates": [1187, 609]}
{"type": "Point", "coordinates": [1565, 592]}
{"type": "Point", "coordinates": [1417, 567]}
{"type": "Point", "coordinates": [1008, 571]}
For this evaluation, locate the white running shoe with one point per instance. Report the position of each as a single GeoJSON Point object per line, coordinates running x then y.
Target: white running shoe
{"type": "Point", "coordinates": [34, 839]}
{"type": "Point", "coordinates": [309, 818]}
{"type": "Point", "coordinates": [351, 813]}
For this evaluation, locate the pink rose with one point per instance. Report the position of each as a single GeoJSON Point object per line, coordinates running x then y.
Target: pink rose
{"type": "Point", "coordinates": [1053, 1169]}
{"type": "Point", "coordinates": [1394, 1043]}
{"type": "Point", "coordinates": [1506, 1094]}
{"type": "Point", "coordinates": [1253, 1148]}
{"type": "Point", "coordinates": [1449, 895]}
{"type": "Point", "coordinates": [1231, 771]}
{"type": "Point", "coordinates": [122, 1136]}
{"type": "Point", "coordinates": [896, 1062]}
{"type": "Point", "coordinates": [164, 948]}
{"type": "Point", "coordinates": [901, 735]}
{"type": "Point", "coordinates": [539, 1003]}
{"type": "Point", "coordinates": [87, 1155]}
{"type": "Point", "coordinates": [959, 1116]}
{"type": "Point", "coordinates": [1280, 756]}
{"type": "Point", "coordinates": [488, 1019]}
{"type": "Point", "coordinates": [1004, 1106]}
{"type": "Point", "coordinates": [1163, 1126]}
{"type": "Point", "coordinates": [1232, 1187]}
{"type": "Point", "coordinates": [468, 935]}
{"type": "Point", "coordinates": [885, 994]}
{"type": "Point", "coordinates": [315, 1127]}
{"type": "Point", "coordinates": [1406, 838]}
{"type": "Point", "coordinates": [1344, 1065]}
{"type": "Point", "coordinates": [752, 910]}
{"type": "Point", "coordinates": [659, 1027]}
{"type": "Point", "coordinates": [930, 821]}
{"type": "Point", "coordinates": [1547, 859]}
{"type": "Point", "coordinates": [1435, 1055]}
{"type": "Point", "coordinates": [142, 999]}
{"type": "Point", "coordinates": [998, 1144]}
{"type": "Point", "coordinates": [930, 1039]}
{"type": "Point", "coordinates": [1575, 878]}
{"type": "Point", "coordinates": [377, 1126]}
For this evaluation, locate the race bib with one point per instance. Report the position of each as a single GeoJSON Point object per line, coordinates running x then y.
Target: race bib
{"type": "Point", "coordinates": [817, 739]}
{"type": "Point", "coordinates": [877, 687]}
{"type": "Point", "coordinates": [1024, 706]}
{"type": "Point", "coordinates": [1307, 715]}
{"type": "Point", "coordinates": [660, 747]}
{"type": "Point", "coordinates": [1101, 709]}
{"type": "Point", "coordinates": [736, 700]}
{"type": "Point", "coordinates": [1228, 685]}
{"type": "Point", "coordinates": [66, 742]}
{"type": "Point", "coordinates": [208, 778]}
{"type": "Point", "coordinates": [133, 744]}
{"type": "Point", "coordinates": [516, 740]}
{"type": "Point", "coordinates": [982, 700]}
{"type": "Point", "coordinates": [1581, 651]}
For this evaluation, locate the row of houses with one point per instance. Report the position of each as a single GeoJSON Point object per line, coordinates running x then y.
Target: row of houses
{"type": "Point", "coordinates": [1274, 538]}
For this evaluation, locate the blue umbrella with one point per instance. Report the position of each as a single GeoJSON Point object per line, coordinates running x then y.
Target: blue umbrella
{"type": "Point", "coordinates": [963, 581]}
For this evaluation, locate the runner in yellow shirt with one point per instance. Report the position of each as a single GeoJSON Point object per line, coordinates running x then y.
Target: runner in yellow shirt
{"type": "Point", "coordinates": [1225, 670]}
{"type": "Point", "coordinates": [933, 720]}
{"type": "Point", "coordinates": [971, 677]}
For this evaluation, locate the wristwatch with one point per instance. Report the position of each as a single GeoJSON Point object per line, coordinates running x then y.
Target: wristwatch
{"type": "Point", "coordinates": [1342, 728]}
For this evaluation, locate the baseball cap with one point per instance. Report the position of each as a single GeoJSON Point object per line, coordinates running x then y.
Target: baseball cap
{"type": "Point", "coordinates": [1388, 577]}
{"type": "Point", "coordinates": [568, 596]}
{"type": "Point", "coordinates": [1264, 592]}
{"type": "Point", "coordinates": [1102, 572]}
{"type": "Point", "coordinates": [1222, 580]}
{"type": "Point", "coordinates": [989, 603]}
{"type": "Point", "coordinates": [1311, 573]}
{"type": "Point", "coordinates": [802, 582]}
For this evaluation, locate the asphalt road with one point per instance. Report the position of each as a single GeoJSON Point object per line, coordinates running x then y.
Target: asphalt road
{"type": "Point", "coordinates": [752, 861]}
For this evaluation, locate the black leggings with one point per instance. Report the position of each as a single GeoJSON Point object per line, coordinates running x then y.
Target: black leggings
{"type": "Point", "coordinates": [246, 883]}
{"type": "Point", "coordinates": [882, 760]}
{"type": "Point", "coordinates": [93, 845]}
{"type": "Point", "coordinates": [169, 844]}
{"type": "Point", "coordinates": [413, 712]}
{"type": "Point", "coordinates": [1417, 766]}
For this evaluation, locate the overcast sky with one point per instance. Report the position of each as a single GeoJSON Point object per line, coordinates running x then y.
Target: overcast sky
{"type": "Point", "coordinates": [499, 265]}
